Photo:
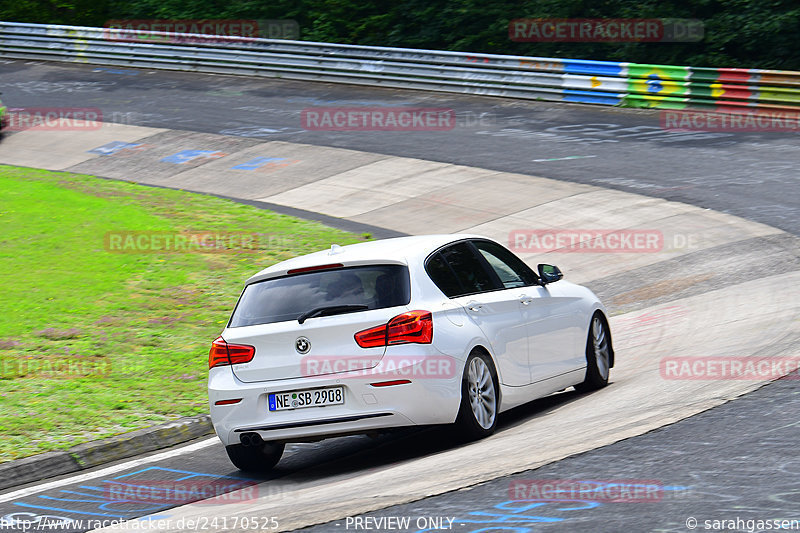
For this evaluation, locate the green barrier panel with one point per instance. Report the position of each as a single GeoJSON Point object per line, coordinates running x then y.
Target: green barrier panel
{"type": "Point", "coordinates": [657, 84]}
{"type": "Point", "coordinates": [664, 72]}
{"type": "Point", "coordinates": [665, 102]}
{"type": "Point", "coordinates": [778, 94]}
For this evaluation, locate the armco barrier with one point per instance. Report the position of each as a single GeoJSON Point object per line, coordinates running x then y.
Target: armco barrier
{"type": "Point", "coordinates": [565, 80]}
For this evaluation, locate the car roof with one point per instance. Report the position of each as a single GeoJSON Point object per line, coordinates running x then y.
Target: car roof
{"type": "Point", "coordinates": [398, 250]}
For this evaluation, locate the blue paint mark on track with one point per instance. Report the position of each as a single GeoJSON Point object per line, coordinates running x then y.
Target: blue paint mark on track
{"type": "Point", "coordinates": [187, 156]}
{"type": "Point", "coordinates": [113, 147]}
{"type": "Point", "coordinates": [257, 163]}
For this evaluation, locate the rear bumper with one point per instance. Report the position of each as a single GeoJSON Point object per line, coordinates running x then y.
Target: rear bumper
{"type": "Point", "coordinates": [427, 399]}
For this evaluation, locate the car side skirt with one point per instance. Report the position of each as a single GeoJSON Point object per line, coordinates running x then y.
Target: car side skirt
{"type": "Point", "coordinates": [516, 396]}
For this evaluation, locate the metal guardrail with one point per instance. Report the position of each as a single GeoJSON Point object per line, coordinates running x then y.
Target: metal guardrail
{"type": "Point", "coordinates": [565, 80]}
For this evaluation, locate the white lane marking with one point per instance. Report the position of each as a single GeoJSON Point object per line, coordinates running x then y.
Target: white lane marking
{"type": "Point", "coordinates": [106, 471]}
{"type": "Point", "coordinates": [562, 158]}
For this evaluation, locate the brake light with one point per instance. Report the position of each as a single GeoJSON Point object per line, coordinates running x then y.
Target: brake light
{"type": "Point", "coordinates": [416, 327]}
{"type": "Point", "coordinates": [314, 268]}
{"type": "Point", "coordinates": [412, 327]}
{"type": "Point", "coordinates": [223, 353]}
{"type": "Point", "coordinates": [369, 338]}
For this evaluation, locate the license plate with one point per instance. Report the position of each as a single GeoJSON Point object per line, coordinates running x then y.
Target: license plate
{"type": "Point", "coordinates": [282, 401]}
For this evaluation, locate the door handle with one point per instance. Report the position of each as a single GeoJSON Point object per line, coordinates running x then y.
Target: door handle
{"type": "Point", "coordinates": [474, 306]}
{"type": "Point", "coordinates": [525, 299]}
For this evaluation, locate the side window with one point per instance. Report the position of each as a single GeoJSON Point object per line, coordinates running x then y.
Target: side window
{"type": "Point", "coordinates": [442, 276]}
{"type": "Point", "coordinates": [458, 271]}
{"type": "Point", "coordinates": [508, 267]}
{"type": "Point", "coordinates": [468, 269]}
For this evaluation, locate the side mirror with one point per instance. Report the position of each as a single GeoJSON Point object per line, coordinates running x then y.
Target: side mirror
{"type": "Point", "coordinates": [549, 273]}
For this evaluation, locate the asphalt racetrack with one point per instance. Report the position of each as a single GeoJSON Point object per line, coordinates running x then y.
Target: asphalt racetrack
{"type": "Point", "coordinates": [735, 461]}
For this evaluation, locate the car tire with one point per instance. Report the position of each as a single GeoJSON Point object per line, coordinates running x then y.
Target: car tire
{"type": "Point", "coordinates": [255, 458]}
{"type": "Point", "coordinates": [598, 356]}
{"type": "Point", "coordinates": [477, 415]}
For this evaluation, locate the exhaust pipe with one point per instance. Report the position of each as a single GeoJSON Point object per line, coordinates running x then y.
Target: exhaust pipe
{"type": "Point", "coordinates": [251, 439]}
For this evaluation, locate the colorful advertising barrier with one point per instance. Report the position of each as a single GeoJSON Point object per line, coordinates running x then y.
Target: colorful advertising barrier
{"type": "Point", "coordinates": [239, 47]}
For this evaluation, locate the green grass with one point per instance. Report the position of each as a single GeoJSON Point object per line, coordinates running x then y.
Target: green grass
{"type": "Point", "coordinates": [139, 324]}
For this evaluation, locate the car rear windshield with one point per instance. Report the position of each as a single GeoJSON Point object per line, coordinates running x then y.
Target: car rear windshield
{"type": "Point", "coordinates": [287, 298]}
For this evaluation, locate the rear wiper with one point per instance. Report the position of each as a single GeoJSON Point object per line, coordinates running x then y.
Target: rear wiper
{"type": "Point", "coordinates": [330, 310]}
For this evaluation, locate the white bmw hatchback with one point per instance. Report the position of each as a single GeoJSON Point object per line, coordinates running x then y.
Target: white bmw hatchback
{"type": "Point", "coordinates": [436, 329]}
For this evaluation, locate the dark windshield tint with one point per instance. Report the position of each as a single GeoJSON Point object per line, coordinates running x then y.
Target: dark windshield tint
{"type": "Point", "coordinates": [282, 299]}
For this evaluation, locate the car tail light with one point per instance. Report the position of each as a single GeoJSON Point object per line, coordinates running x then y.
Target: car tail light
{"type": "Point", "coordinates": [412, 327]}
{"type": "Point", "coordinates": [223, 353]}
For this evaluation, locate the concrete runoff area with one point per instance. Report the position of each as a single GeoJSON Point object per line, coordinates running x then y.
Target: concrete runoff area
{"type": "Point", "coordinates": [58, 149]}
{"type": "Point", "coordinates": [739, 317]}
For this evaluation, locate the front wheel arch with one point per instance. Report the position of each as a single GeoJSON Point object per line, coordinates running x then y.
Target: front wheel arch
{"type": "Point", "coordinates": [603, 317]}
{"type": "Point", "coordinates": [599, 354]}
